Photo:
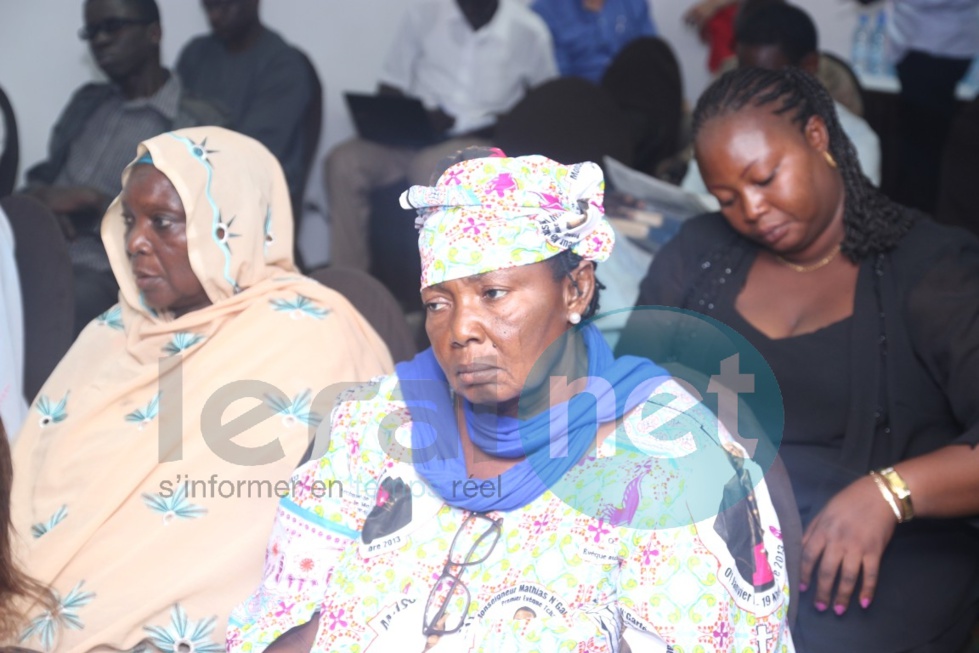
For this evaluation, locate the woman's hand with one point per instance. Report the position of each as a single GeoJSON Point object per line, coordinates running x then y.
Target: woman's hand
{"type": "Point", "coordinates": [848, 535]}
{"type": "Point", "coordinates": [701, 12]}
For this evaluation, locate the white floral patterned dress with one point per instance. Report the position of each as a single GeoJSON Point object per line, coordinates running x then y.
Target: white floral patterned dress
{"type": "Point", "coordinates": [569, 571]}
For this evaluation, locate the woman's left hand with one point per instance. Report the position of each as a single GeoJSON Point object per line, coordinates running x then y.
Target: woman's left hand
{"type": "Point", "coordinates": [848, 535]}
{"type": "Point", "coordinates": [699, 13]}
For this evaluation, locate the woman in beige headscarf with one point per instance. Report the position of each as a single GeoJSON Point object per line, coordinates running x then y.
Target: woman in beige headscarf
{"type": "Point", "coordinates": [150, 466]}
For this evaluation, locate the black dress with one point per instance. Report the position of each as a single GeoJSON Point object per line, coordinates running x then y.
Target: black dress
{"type": "Point", "coordinates": [816, 404]}
{"type": "Point", "coordinates": [897, 379]}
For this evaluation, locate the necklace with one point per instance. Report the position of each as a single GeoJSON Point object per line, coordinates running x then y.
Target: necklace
{"type": "Point", "coordinates": [821, 263]}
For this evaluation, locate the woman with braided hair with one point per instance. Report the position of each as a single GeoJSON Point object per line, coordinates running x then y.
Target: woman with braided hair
{"type": "Point", "coordinates": [866, 312]}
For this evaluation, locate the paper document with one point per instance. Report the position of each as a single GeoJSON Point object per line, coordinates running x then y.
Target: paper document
{"type": "Point", "coordinates": [655, 195]}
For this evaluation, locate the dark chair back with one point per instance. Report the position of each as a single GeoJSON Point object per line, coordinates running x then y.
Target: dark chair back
{"type": "Point", "coordinates": [375, 303]}
{"type": "Point", "coordinates": [566, 119]}
{"type": "Point", "coordinates": [958, 204]}
{"type": "Point", "coordinates": [394, 246]}
{"type": "Point", "coordinates": [644, 82]}
{"type": "Point", "coordinates": [46, 288]}
{"type": "Point", "coordinates": [312, 128]}
{"type": "Point", "coordinates": [10, 158]}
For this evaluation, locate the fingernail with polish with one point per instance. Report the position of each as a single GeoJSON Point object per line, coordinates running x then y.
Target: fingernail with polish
{"type": "Point", "coordinates": [821, 606]}
{"type": "Point", "coordinates": [839, 610]}
{"type": "Point", "coordinates": [803, 587]}
{"type": "Point", "coordinates": [865, 603]}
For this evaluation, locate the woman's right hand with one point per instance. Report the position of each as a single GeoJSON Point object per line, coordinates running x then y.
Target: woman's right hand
{"type": "Point", "coordinates": [847, 538]}
{"type": "Point", "coordinates": [701, 12]}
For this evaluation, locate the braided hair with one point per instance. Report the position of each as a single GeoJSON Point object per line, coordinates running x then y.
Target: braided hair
{"type": "Point", "coordinates": [562, 265]}
{"type": "Point", "coordinates": [872, 223]}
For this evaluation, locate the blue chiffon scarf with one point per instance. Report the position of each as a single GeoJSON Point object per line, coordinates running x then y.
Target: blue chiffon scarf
{"type": "Point", "coordinates": [615, 386]}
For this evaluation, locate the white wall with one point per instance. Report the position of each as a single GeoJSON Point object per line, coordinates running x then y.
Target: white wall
{"type": "Point", "coordinates": [42, 60]}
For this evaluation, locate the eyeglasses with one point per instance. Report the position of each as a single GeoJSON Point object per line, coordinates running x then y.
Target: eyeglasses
{"type": "Point", "coordinates": [449, 588]}
{"type": "Point", "coordinates": [109, 26]}
{"type": "Point", "coordinates": [216, 4]}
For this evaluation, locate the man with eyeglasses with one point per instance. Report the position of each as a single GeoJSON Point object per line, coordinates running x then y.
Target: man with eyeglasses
{"type": "Point", "coordinates": [97, 134]}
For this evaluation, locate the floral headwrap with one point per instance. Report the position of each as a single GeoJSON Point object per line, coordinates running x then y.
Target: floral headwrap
{"type": "Point", "coordinates": [496, 212]}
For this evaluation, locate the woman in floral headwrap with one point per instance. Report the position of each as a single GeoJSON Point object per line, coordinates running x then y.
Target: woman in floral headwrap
{"type": "Point", "coordinates": [476, 512]}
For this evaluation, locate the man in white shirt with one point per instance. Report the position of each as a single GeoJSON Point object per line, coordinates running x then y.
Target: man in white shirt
{"type": "Point", "coordinates": [781, 35]}
{"type": "Point", "coordinates": [468, 61]}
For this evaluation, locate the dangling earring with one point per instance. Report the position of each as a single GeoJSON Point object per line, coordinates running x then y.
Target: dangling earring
{"type": "Point", "coordinates": [574, 318]}
{"type": "Point", "coordinates": [829, 159]}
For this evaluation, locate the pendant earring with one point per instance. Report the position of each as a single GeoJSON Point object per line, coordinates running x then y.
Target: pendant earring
{"type": "Point", "coordinates": [829, 159]}
{"type": "Point", "coordinates": [574, 318]}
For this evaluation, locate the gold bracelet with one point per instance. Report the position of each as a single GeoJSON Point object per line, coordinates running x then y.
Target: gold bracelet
{"type": "Point", "coordinates": [900, 490]}
{"type": "Point", "coordinates": [886, 493]}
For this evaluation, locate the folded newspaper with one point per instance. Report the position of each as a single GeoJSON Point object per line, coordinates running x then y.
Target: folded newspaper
{"type": "Point", "coordinates": [655, 195]}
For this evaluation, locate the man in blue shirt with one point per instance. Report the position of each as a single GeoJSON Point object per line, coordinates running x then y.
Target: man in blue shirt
{"type": "Point", "coordinates": [588, 34]}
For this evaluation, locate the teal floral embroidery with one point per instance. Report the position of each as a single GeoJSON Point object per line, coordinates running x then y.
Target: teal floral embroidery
{"type": "Point", "coordinates": [269, 236]}
{"type": "Point", "coordinates": [45, 627]}
{"type": "Point", "coordinates": [295, 411]}
{"type": "Point", "coordinates": [185, 635]}
{"type": "Point", "coordinates": [41, 528]}
{"type": "Point", "coordinates": [146, 414]}
{"type": "Point", "coordinates": [222, 232]}
{"type": "Point", "coordinates": [112, 318]}
{"type": "Point", "coordinates": [202, 153]}
{"type": "Point", "coordinates": [299, 307]}
{"type": "Point", "coordinates": [181, 342]}
{"type": "Point", "coordinates": [51, 413]}
{"type": "Point", "coordinates": [174, 506]}
{"type": "Point", "coordinates": [200, 150]}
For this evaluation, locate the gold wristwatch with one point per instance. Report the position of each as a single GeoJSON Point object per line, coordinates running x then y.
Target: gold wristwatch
{"type": "Point", "coordinates": [900, 490]}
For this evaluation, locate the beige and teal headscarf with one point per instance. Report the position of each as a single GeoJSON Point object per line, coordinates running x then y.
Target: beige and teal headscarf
{"type": "Point", "coordinates": [499, 212]}
{"type": "Point", "coordinates": [114, 506]}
